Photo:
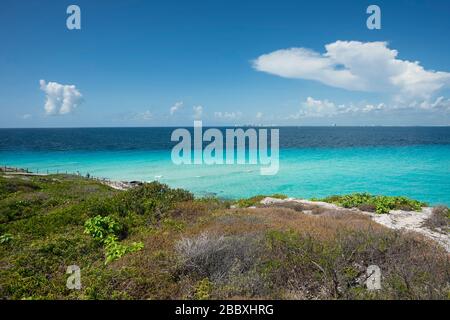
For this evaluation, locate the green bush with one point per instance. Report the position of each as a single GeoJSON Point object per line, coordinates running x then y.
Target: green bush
{"type": "Point", "coordinates": [380, 204]}
{"type": "Point", "coordinates": [6, 238]}
{"type": "Point", "coordinates": [100, 228]}
{"type": "Point", "coordinates": [150, 199]}
{"type": "Point", "coordinates": [105, 230]}
{"type": "Point", "coordinates": [116, 250]}
{"type": "Point", "coordinates": [203, 289]}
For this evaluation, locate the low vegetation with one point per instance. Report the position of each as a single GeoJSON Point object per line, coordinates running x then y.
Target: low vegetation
{"type": "Point", "coordinates": [378, 204]}
{"type": "Point", "coordinates": [105, 230]}
{"type": "Point", "coordinates": [154, 242]}
{"type": "Point", "coordinates": [253, 201]}
{"type": "Point", "coordinates": [439, 220]}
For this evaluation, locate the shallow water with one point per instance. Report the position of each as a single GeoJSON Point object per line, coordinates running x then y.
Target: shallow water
{"type": "Point", "coordinates": [314, 162]}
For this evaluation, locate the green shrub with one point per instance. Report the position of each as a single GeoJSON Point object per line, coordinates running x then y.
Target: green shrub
{"type": "Point", "coordinates": [105, 230]}
{"type": "Point", "coordinates": [203, 289]}
{"type": "Point", "coordinates": [116, 250]}
{"type": "Point", "coordinates": [150, 199]}
{"type": "Point", "coordinates": [380, 204]}
{"type": "Point", "coordinates": [8, 186]}
{"type": "Point", "coordinates": [6, 238]}
{"type": "Point", "coordinates": [100, 228]}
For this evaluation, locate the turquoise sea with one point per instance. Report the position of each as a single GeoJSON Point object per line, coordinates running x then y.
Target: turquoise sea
{"type": "Point", "coordinates": [314, 162]}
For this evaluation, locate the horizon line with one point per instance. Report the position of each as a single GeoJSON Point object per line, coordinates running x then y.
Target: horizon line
{"type": "Point", "coordinates": [233, 126]}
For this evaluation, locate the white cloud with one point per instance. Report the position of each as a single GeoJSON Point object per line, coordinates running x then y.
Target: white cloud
{"type": "Point", "coordinates": [178, 105]}
{"type": "Point", "coordinates": [312, 108]}
{"type": "Point", "coordinates": [259, 115]}
{"type": "Point", "coordinates": [371, 107]}
{"type": "Point", "coordinates": [198, 111]}
{"type": "Point", "coordinates": [60, 99]}
{"type": "Point", "coordinates": [319, 106]}
{"type": "Point", "coordinates": [136, 116]}
{"type": "Point", "coordinates": [145, 116]}
{"type": "Point", "coordinates": [228, 115]}
{"type": "Point", "coordinates": [27, 116]}
{"type": "Point", "coordinates": [315, 108]}
{"type": "Point", "coordinates": [440, 104]}
{"type": "Point", "coordinates": [354, 65]}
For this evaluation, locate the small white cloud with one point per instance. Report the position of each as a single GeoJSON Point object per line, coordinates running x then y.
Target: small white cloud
{"type": "Point", "coordinates": [259, 115]}
{"type": "Point", "coordinates": [60, 99]}
{"type": "Point", "coordinates": [316, 108]}
{"type": "Point", "coordinates": [178, 105]}
{"type": "Point", "coordinates": [27, 116]}
{"type": "Point", "coordinates": [136, 116]}
{"type": "Point", "coordinates": [371, 107]}
{"type": "Point", "coordinates": [198, 111]}
{"type": "Point", "coordinates": [143, 116]}
{"type": "Point", "coordinates": [312, 108]}
{"type": "Point", "coordinates": [440, 103]}
{"type": "Point", "coordinates": [354, 65]}
{"type": "Point", "coordinates": [227, 115]}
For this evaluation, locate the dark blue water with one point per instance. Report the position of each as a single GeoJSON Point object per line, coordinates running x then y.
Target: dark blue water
{"type": "Point", "coordinates": [119, 139]}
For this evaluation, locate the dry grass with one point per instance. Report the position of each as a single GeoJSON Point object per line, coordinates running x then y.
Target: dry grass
{"type": "Point", "coordinates": [311, 256]}
{"type": "Point", "coordinates": [323, 226]}
{"type": "Point", "coordinates": [439, 220]}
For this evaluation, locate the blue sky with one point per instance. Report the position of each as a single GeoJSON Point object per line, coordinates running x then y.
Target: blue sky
{"type": "Point", "coordinates": [164, 63]}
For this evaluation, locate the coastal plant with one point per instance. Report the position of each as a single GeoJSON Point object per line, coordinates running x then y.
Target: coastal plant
{"type": "Point", "coordinates": [151, 199]}
{"type": "Point", "coordinates": [203, 289]}
{"type": "Point", "coordinates": [105, 230]}
{"type": "Point", "coordinates": [6, 238]}
{"type": "Point", "coordinates": [253, 201]}
{"type": "Point", "coordinates": [10, 186]}
{"type": "Point", "coordinates": [215, 256]}
{"type": "Point", "coordinates": [378, 204]}
{"type": "Point", "coordinates": [229, 263]}
{"type": "Point", "coordinates": [439, 219]}
{"type": "Point", "coordinates": [102, 229]}
{"type": "Point", "coordinates": [311, 268]}
{"type": "Point", "coordinates": [116, 250]}
{"type": "Point", "coordinates": [192, 209]}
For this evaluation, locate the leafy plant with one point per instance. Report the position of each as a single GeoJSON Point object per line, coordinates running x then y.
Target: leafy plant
{"type": "Point", "coordinates": [102, 228]}
{"type": "Point", "coordinates": [379, 204]}
{"type": "Point", "coordinates": [203, 289]}
{"type": "Point", "coordinates": [116, 250]}
{"type": "Point", "coordinates": [6, 238]}
{"type": "Point", "coordinates": [105, 231]}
